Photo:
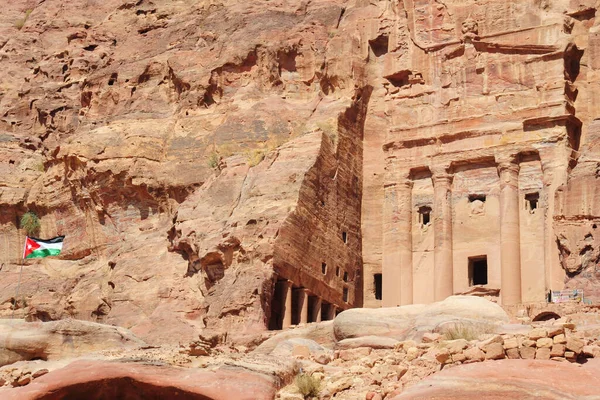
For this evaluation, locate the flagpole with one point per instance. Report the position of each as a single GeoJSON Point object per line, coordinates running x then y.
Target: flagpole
{"type": "Point", "coordinates": [19, 282]}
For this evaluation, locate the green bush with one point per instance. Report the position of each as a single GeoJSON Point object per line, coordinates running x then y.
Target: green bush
{"type": "Point", "coordinates": [30, 223]}
{"type": "Point", "coordinates": [308, 385]}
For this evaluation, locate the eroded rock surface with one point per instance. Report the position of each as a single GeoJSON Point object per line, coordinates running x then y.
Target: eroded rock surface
{"type": "Point", "coordinates": [515, 379]}
{"type": "Point", "coordinates": [411, 322]}
{"type": "Point", "coordinates": [110, 380]}
{"type": "Point", "coordinates": [184, 150]}
{"type": "Point", "coordinates": [60, 339]}
{"type": "Point", "coordinates": [196, 153]}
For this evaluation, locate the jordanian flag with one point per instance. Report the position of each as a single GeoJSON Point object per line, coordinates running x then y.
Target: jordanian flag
{"type": "Point", "coordinates": [38, 248]}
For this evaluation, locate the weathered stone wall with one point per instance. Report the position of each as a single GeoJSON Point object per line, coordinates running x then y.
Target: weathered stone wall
{"type": "Point", "coordinates": [186, 150]}
{"type": "Point", "coordinates": [467, 85]}
{"type": "Point", "coordinates": [170, 143]}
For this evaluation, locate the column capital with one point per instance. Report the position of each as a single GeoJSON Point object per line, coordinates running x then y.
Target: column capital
{"type": "Point", "coordinates": [398, 178]}
{"type": "Point", "coordinates": [442, 168]}
{"type": "Point", "coordinates": [440, 174]}
{"type": "Point", "coordinates": [508, 162]}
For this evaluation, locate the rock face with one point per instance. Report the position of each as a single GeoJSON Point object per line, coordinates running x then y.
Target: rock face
{"type": "Point", "coordinates": [219, 164]}
{"type": "Point", "coordinates": [510, 379]}
{"type": "Point", "coordinates": [110, 380]}
{"type": "Point", "coordinates": [484, 115]}
{"type": "Point", "coordinates": [411, 322]}
{"type": "Point", "coordinates": [59, 339]}
{"type": "Point", "coordinates": [194, 155]}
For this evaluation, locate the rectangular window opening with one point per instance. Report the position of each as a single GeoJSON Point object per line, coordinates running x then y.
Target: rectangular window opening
{"type": "Point", "coordinates": [345, 237]}
{"type": "Point", "coordinates": [424, 215]}
{"type": "Point", "coordinates": [323, 268]}
{"type": "Point", "coordinates": [377, 282]}
{"type": "Point", "coordinates": [337, 271]}
{"type": "Point", "coordinates": [345, 276]}
{"type": "Point", "coordinates": [474, 197]}
{"type": "Point", "coordinates": [345, 294]}
{"type": "Point", "coordinates": [531, 201]}
{"type": "Point", "coordinates": [478, 271]}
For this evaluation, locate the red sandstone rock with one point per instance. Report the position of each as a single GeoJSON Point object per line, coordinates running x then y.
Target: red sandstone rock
{"type": "Point", "coordinates": [200, 155]}
{"type": "Point", "coordinates": [83, 379]}
{"type": "Point", "coordinates": [513, 379]}
{"type": "Point", "coordinates": [60, 339]}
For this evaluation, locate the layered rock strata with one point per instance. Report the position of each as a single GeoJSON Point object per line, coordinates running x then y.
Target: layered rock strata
{"type": "Point", "coordinates": [270, 163]}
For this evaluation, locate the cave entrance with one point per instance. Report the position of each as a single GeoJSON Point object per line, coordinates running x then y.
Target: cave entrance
{"type": "Point", "coordinates": [546, 316]}
{"type": "Point", "coordinates": [120, 388]}
{"type": "Point", "coordinates": [478, 271]}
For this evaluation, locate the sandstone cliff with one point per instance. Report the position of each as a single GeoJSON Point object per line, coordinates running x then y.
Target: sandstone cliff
{"type": "Point", "coordinates": [194, 152]}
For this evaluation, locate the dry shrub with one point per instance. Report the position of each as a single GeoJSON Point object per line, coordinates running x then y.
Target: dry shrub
{"type": "Point", "coordinates": [308, 385]}
{"type": "Point", "coordinates": [255, 157]}
{"type": "Point", "coordinates": [467, 330]}
{"type": "Point", "coordinates": [213, 160]}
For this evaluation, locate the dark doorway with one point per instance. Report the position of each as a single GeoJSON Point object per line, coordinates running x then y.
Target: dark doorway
{"type": "Point", "coordinates": [277, 306]}
{"type": "Point", "coordinates": [531, 201]}
{"type": "Point", "coordinates": [325, 308]}
{"type": "Point", "coordinates": [478, 271]}
{"type": "Point", "coordinates": [378, 283]}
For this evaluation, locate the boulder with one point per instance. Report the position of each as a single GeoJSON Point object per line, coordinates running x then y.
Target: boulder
{"type": "Point", "coordinates": [412, 321]}
{"type": "Point", "coordinates": [558, 350]}
{"type": "Point", "coordinates": [112, 380]}
{"type": "Point", "coordinates": [527, 352]}
{"type": "Point", "coordinates": [475, 354]}
{"type": "Point", "coordinates": [494, 351]}
{"type": "Point", "coordinates": [510, 379]}
{"type": "Point", "coordinates": [299, 347]}
{"type": "Point", "coordinates": [542, 353]}
{"type": "Point", "coordinates": [374, 342]}
{"type": "Point", "coordinates": [575, 345]}
{"type": "Point", "coordinates": [60, 339]}
{"type": "Point", "coordinates": [321, 333]}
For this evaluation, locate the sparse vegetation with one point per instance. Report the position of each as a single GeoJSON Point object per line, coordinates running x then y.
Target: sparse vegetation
{"type": "Point", "coordinates": [330, 129]}
{"type": "Point", "coordinates": [308, 385]}
{"type": "Point", "coordinates": [213, 160]}
{"type": "Point", "coordinates": [39, 166]}
{"type": "Point", "coordinates": [467, 331]}
{"type": "Point", "coordinates": [30, 223]}
{"type": "Point", "coordinates": [255, 157]}
{"type": "Point", "coordinates": [21, 22]}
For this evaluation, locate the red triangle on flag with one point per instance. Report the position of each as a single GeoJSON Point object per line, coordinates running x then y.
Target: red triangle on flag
{"type": "Point", "coordinates": [30, 246]}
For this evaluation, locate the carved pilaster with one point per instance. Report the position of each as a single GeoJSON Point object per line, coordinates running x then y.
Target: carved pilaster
{"type": "Point", "coordinates": [442, 227]}
{"type": "Point", "coordinates": [287, 304]}
{"type": "Point", "coordinates": [510, 233]}
{"type": "Point", "coordinates": [397, 241]}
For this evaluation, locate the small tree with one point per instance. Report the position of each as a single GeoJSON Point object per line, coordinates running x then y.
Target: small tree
{"type": "Point", "coordinates": [30, 223]}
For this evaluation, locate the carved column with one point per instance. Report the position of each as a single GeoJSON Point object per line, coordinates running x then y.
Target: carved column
{"type": "Point", "coordinates": [397, 275]}
{"type": "Point", "coordinates": [510, 235]}
{"type": "Point", "coordinates": [331, 312]}
{"type": "Point", "coordinates": [316, 317]}
{"type": "Point", "coordinates": [302, 296]}
{"type": "Point", "coordinates": [287, 304]}
{"type": "Point", "coordinates": [442, 233]}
